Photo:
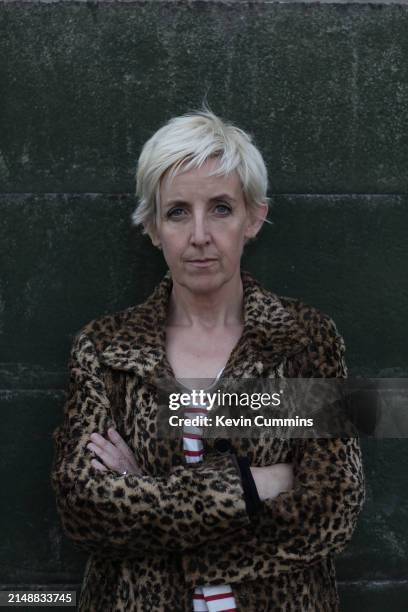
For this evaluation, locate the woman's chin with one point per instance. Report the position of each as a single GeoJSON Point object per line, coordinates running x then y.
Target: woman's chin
{"type": "Point", "coordinates": [202, 280]}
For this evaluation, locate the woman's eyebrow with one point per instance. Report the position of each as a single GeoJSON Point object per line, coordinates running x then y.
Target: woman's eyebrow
{"type": "Point", "coordinates": [175, 201]}
{"type": "Point", "coordinates": [221, 196]}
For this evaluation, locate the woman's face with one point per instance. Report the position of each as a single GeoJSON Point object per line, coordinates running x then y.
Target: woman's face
{"type": "Point", "coordinates": [202, 226]}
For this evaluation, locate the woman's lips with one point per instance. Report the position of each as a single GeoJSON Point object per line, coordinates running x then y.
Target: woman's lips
{"type": "Point", "coordinates": [201, 263]}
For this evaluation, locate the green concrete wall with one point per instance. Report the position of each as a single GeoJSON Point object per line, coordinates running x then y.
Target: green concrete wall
{"type": "Point", "coordinates": [324, 90]}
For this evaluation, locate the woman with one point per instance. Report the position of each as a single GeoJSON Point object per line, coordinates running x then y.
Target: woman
{"type": "Point", "coordinates": [246, 525]}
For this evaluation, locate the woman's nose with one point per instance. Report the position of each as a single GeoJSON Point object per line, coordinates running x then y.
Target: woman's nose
{"type": "Point", "coordinates": [200, 231]}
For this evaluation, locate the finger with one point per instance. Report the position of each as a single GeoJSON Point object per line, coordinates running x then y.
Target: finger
{"type": "Point", "coordinates": [100, 441]}
{"type": "Point", "coordinates": [110, 456]}
{"type": "Point", "coordinates": [119, 442]}
{"type": "Point", "coordinates": [117, 456]}
{"type": "Point", "coordinates": [105, 445]}
{"type": "Point", "coordinates": [126, 452]}
{"type": "Point", "coordinates": [98, 465]}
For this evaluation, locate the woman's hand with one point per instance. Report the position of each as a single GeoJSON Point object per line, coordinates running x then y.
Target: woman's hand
{"type": "Point", "coordinates": [114, 453]}
{"type": "Point", "coordinates": [272, 480]}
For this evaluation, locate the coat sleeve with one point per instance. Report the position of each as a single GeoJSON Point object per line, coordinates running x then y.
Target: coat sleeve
{"type": "Point", "coordinates": [317, 517]}
{"type": "Point", "coordinates": [128, 515]}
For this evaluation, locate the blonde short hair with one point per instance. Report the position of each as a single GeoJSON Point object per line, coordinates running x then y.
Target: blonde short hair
{"type": "Point", "coordinates": [187, 142]}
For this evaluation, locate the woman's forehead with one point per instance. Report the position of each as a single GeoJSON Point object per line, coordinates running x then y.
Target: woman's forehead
{"type": "Point", "coordinates": [200, 180]}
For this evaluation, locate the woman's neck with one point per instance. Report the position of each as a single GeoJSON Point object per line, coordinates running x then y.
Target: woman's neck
{"type": "Point", "coordinates": [218, 309]}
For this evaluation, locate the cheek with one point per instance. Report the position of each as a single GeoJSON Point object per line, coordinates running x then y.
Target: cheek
{"type": "Point", "coordinates": [173, 243]}
{"type": "Point", "coordinates": [230, 244]}
{"type": "Point", "coordinates": [232, 236]}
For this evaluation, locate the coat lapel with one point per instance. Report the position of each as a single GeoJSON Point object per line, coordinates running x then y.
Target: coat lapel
{"type": "Point", "coordinates": [270, 334]}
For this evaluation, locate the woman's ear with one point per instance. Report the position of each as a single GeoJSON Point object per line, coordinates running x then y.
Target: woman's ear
{"type": "Point", "coordinates": [257, 216]}
{"type": "Point", "coordinates": [153, 235]}
{"type": "Point", "coordinates": [156, 242]}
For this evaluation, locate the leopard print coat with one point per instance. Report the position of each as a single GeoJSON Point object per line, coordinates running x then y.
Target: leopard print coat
{"type": "Point", "coordinates": [153, 538]}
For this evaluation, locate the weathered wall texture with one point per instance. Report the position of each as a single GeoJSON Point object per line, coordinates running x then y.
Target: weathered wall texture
{"type": "Point", "coordinates": [324, 90]}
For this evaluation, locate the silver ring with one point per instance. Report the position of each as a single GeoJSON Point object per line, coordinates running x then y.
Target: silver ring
{"type": "Point", "coordinates": [124, 473]}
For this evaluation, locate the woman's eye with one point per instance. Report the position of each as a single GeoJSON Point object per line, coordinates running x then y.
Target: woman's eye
{"type": "Point", "coordinates": [224, 209]}
{"type": "Point", "coordinates": [178, 212]}
{"type": "Point", "coordinates": [175, 213]}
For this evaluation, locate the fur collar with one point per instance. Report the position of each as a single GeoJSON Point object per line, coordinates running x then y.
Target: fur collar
{"type": "Point", "coordinates": [271, 333]}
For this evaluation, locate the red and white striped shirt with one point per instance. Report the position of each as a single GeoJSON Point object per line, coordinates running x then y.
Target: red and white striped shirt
{"type": "Point", "coordinates": [205, 598]}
